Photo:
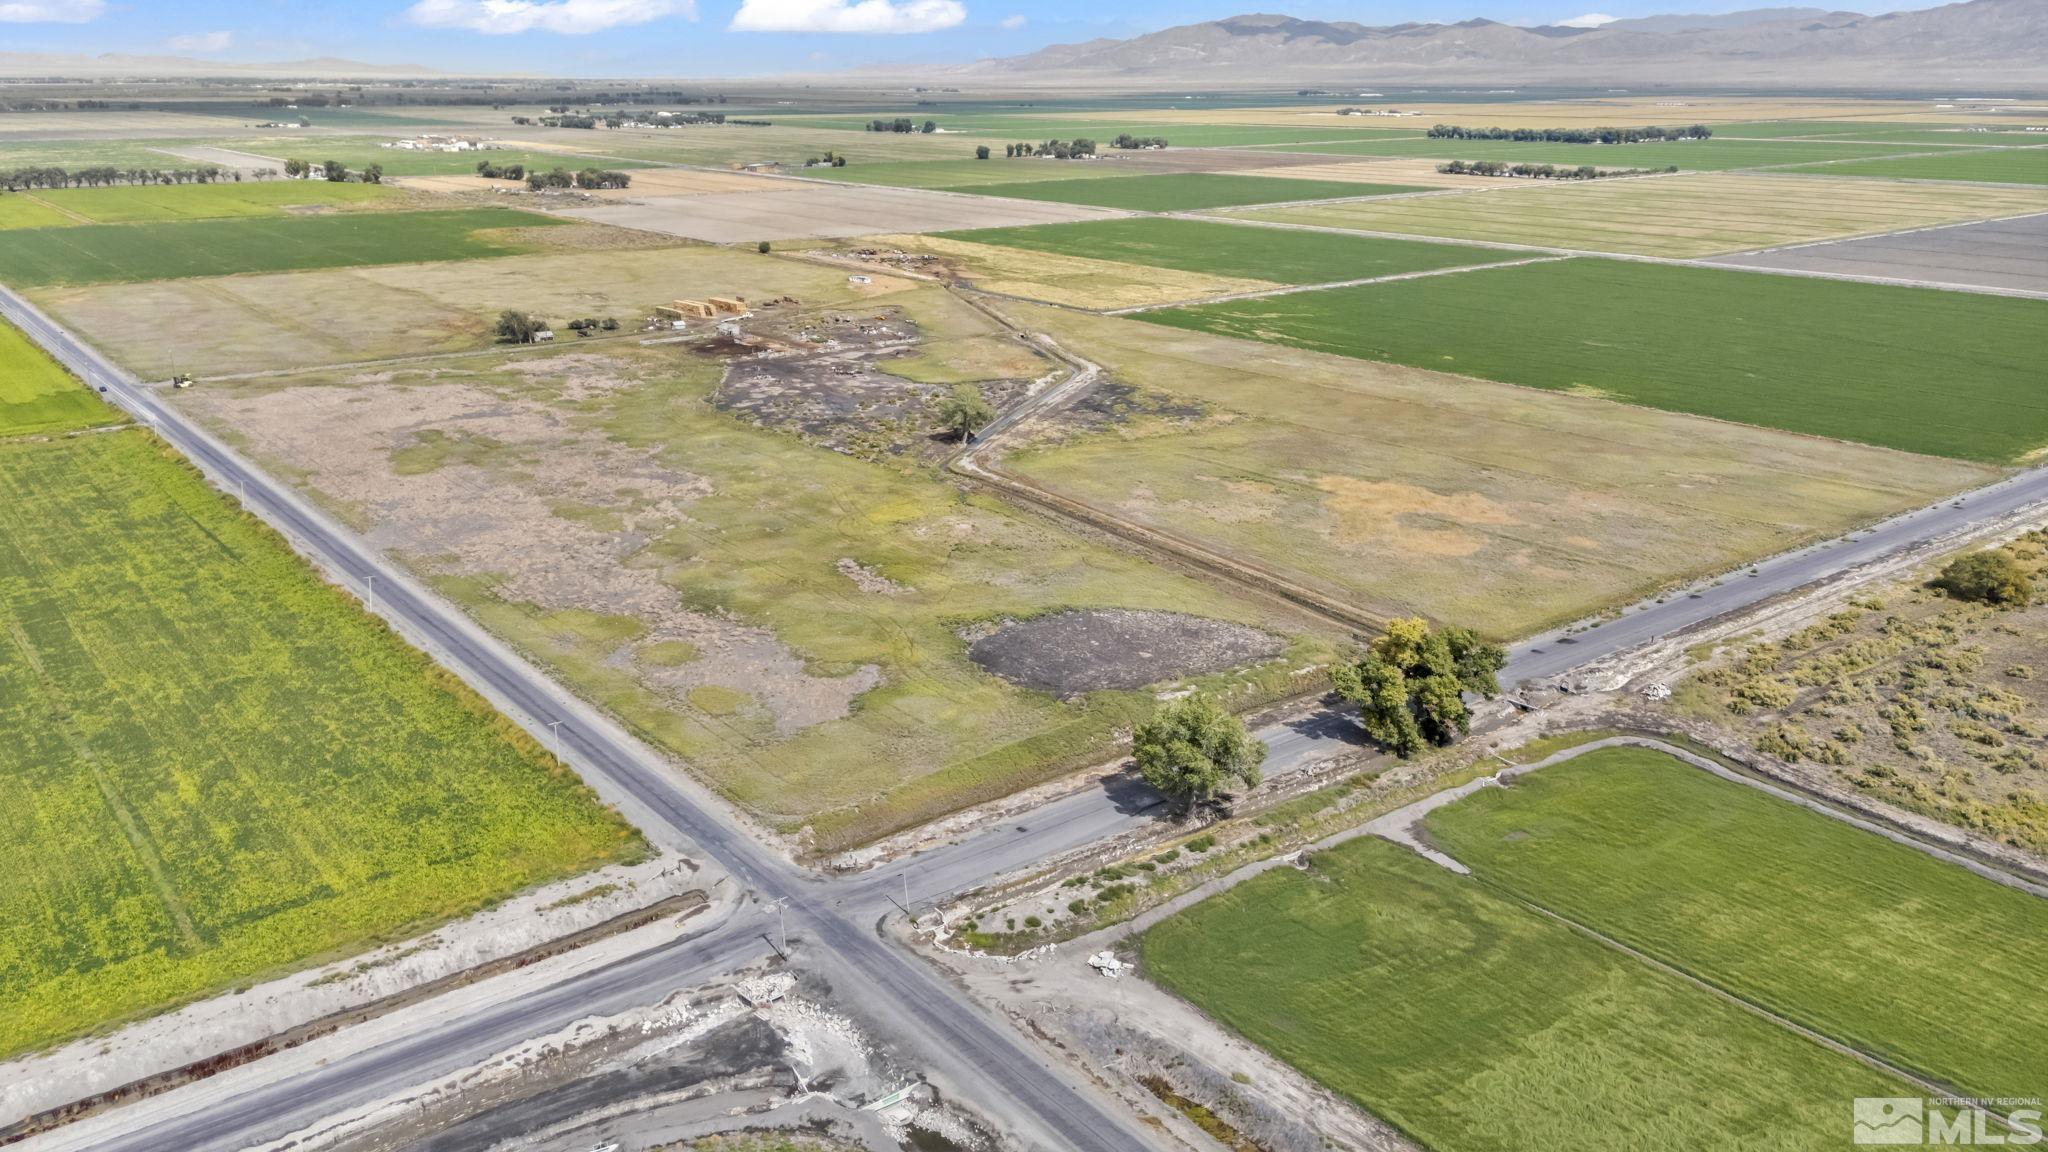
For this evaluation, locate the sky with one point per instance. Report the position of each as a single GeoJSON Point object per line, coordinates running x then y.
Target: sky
{"type": "Point", "coordinates": [706, 38]}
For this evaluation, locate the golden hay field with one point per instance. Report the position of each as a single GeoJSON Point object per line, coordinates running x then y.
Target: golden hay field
{"type": "Point", "coordinates": [1685, 215]}
{"type": "Point", "coordinates": [646, 182]}
{"type": "Point", "coordinates": [1076, 281]}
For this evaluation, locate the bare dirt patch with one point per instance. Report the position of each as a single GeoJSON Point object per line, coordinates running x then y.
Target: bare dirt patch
{"type": "Point", "coordinates": [1113, 405]}
{"type": "Point", "coordinates": [1410, 517]}
{"type": "Point", "coordinates": [579, 238]}
{"type": "Point", "coordinates": [1089, 650]}
{"type": "Point", "coordinates": [824, 377]}
{"type": "Point", "coordinates": [483, 484]}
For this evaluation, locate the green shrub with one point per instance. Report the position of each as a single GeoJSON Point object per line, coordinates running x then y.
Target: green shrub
{"type": "Point", "coordinates": [1988, 577]}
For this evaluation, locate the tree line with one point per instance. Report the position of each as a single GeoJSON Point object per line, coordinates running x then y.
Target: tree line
{"type": "Point", "coordinates": [1572, 135]}
{"type": "Point", "coordinates": [332, 171]}
{"type": "Point", "coordinates": [1542, 171]}
{"type": "Point", "coordinates": [588, 178]}
{"type": "Point", "coordinates": [902, 124]}
{"type": "Point", "coordinates": [1077, 148]}
{"type": "Point", "coordinates": [1126, 140]}
{"type": "Point", "coordinates": [106, 177]}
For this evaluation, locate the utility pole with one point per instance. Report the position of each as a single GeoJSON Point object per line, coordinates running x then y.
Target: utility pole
{"type": "Point", "coordinates": [373, 595]}
{"type": "Point", "coordinates": [556, 728]}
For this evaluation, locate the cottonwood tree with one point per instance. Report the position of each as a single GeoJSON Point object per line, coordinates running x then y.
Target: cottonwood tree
{"type": "Point", "coordinates": [1410, 686]}
{"type": "Point", "coordinates": [516, 327]}
{"type": "Point", "coordinates": [963, 410]}
{"type": "Point", "coordinates": [1190, 749]}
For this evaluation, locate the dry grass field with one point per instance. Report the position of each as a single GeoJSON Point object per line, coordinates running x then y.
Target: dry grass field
{"type": "Point", "coordinates": [1907, 694]}
{"type": "Point", "coordinates": [291, 320]}
{"type": "Point", "coordinates": [1410, 492]}
{"type": "Point", "coordinates": [646, 182]}
{"type": "Point", "coordinates": [1076, 281]}
{"type": "Point", "coordinates": [790, 621]}
{"type": "Point", "coordinates": [1685, 215]}
{"type": "Point", "coordinates": [792, 210]}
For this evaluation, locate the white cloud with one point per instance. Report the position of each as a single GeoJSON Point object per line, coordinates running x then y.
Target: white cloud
{"type": "Point", "coordinates": [202, 42]}
{"type": "Point", "coordinates": [50, 11]}
{"type": "Point", "coordinates": [569, 17]}
{"type": "Point", "coordinates": [1589, 20]}
{"type": "Point", "coordinates": [1012, 22]}
{"type": "Point", "coordinates": [847, 15]}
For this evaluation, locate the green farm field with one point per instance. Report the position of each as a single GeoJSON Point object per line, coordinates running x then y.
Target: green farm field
{"type": "Point", "coordinates": [1997, 166]}
{"type": "Point", "coordinates": [1685, 215]}
{"type": "Point", "coordinates": [1408, 492]}
{"type": "Point", "coordinates": [22, 210]}
{"type": "Point", "coordinates": [1234, 250]}
{"type": "Point", "coordinates": [38, 396]}
{"type": "Point", "coordinates": [1868, 942]}
{"type": "Point", "coordinates": [1689, 155]}
{"type": "Point", "coordinates": [1186, 191]}
{"type": "Point", "coordinates": [93, 152]}
{"type": "Point", "coordinates": [154, 202]}
{"type": "Point", "coordinates": [119, 253]}
{"type": "Point", "coordinates": [969, 175]}
{"type": "Point", "coordinates": [1808, 129]}
{"type": "Point", "coordinates": [1944, 373]}
{"type": "Point", "coordinates": [218, 768]}
{"type": "Point", "coordinates": [1473, 1024]}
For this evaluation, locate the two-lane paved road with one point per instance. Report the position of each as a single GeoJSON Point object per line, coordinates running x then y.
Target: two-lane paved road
{"type": "Point", "coordinates": [964, 1044]}
{"type": "Point", "coordinates": [834, 920]}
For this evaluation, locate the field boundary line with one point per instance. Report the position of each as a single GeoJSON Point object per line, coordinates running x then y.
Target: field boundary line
{"type": "Point", "coordinates": [1292, 289]}
{"type": "Point", "coordinates": [61, 210]}
{"type": "Point", "coordinates": [1710, 261]}
{"type": "Point", "coordinates": [1083, 375]}
{"type": "Point", "coordinates": [1928, 1087]}
{"type": "Point", "coordinates": [1402, 821]}
{"type": "Point", "coordinates": [1915, 230]}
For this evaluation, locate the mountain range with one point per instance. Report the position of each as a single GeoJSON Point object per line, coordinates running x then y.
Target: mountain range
{"type": "Point", "coordinates": [1974, 44]}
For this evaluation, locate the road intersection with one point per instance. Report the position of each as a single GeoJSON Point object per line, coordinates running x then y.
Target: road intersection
{"type": "Point", "coordinates": [833, 920]}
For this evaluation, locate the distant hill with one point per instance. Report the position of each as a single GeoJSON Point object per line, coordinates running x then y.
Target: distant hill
{"type": "Point", "coordinates": [1698, 21]}
{"type": "Point", "coordinates": [115, 64]}
{"type": "Point", "coordinates": [1978, 43]}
